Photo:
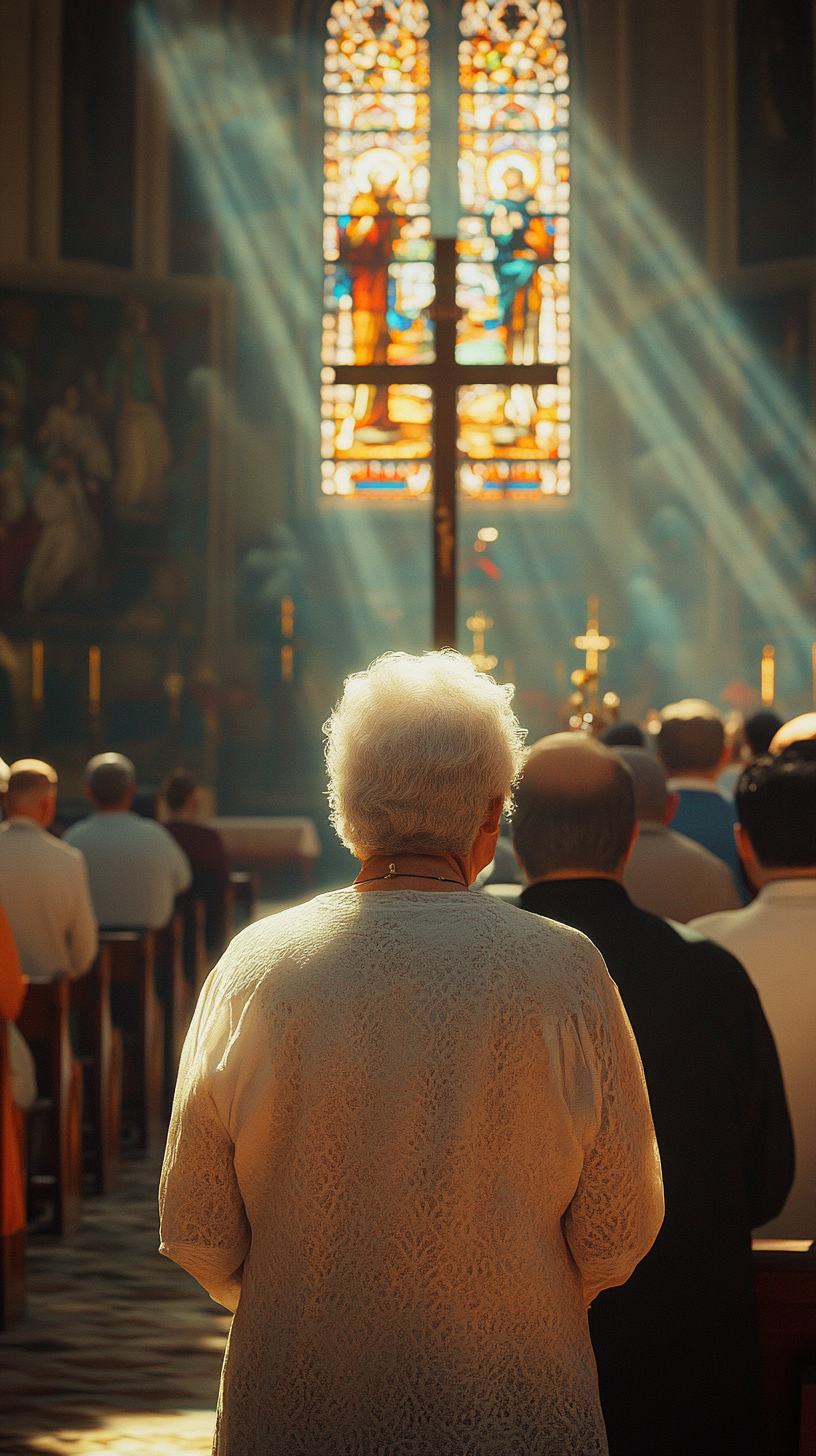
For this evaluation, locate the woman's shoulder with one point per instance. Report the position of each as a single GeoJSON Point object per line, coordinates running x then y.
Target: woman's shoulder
{"type": "Point", "coordinates": [294, 934]}
{"type": "Point", "coordinates": [345, 928]}
{"type": "Point", "coordinates": [559, 946]}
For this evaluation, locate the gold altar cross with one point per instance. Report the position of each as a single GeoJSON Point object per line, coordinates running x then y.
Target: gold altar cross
{"type": "Point", "coordinates": [478, 624]}
{"type": "Point", "coordinates": [593, 643]}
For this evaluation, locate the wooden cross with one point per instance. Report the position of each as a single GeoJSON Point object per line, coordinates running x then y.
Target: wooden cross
{"type": "Point", "coordinates": [445, 376]}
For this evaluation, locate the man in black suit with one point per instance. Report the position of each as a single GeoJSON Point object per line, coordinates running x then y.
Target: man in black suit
{"type": "Point", "coordinates": [677, 1346]}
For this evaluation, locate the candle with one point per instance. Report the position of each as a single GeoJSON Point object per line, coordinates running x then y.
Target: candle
{"type": "Point", "coordinates": [767, 676]}
{"type": "Point", "coordinates": [94, 680]}
{"type": "Point", "coordinates": [37, 653]}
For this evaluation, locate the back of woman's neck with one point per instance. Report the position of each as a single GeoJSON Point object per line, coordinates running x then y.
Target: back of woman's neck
{"type": "Point", "coordinates": [432, 871]}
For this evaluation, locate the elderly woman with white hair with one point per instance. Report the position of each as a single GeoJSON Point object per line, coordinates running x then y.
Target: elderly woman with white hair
{"type": "Point", "coordinates": [411, 1138]}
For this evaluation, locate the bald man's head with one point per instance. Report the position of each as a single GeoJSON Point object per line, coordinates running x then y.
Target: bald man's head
{"type": "Point", "coordinates": [575, 807]}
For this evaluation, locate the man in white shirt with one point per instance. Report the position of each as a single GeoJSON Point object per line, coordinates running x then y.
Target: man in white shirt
{"type": "Point", "coordinates": [775, 938]}
{"type": "Point", "coordinates": [135, 868]}
{"type": "Point", "coordinates": [667, 873]}
{"type": "Point", "coordinates": [43, 882]}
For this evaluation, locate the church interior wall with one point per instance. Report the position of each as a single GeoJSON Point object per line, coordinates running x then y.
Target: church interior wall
{"type": "Point", "coordinates": [661, 92]}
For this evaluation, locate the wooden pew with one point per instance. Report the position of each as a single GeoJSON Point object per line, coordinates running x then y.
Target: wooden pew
{"type": "Point", "coordinates": [55, 1121]}
{"type": "Point", "coordinates": [176, 995]}
{"type": "Point", "coordinates": [12, 1246]}
{"type": "Point", "coordinates": [99, 1048]}
{"type": "Point", "coordinates": [785, 1282]}
{"type": "Point", "coordinates": [138, 1015]}
{"type": "Point", "coordinates": [243, 890]}
{"type": "Point", "coordinates": [197, 962]}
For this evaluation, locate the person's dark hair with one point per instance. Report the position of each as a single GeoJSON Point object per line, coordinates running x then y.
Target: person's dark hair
{"type": "Point", "coordinates": [760, 730]}
{"type": "Point", "coordinates": [776, 804]}
{"type": "Point", "coordinates": [109, 777]}
{"type": "Point", "coordinates": [691, 738]}
{"type": "Point", "coordinates": [146, 802]}
{"type": "Point", "coordinates": [178, 789]}
{"type": "Point", "coordinates": [623, 735]}
{"type": "Point", "coordinates": [560, 831]}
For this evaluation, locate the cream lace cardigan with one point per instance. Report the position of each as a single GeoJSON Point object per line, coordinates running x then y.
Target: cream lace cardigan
{"type": "Point", "coordinates": [410, 1142]}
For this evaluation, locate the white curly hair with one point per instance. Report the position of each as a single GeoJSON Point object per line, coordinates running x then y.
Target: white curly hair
{"type": "Point", "coordinates": [416, 750]}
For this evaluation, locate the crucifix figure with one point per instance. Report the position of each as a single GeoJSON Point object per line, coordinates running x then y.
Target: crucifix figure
{"type": "Point", "coordinates": [445, 376]}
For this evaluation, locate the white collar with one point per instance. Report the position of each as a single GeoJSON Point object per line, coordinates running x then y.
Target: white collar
{"type": "Point", "coordinates": [652, 826]}
{"type": "Point", "coordinates": [22, 821]}
{"type": "Point", "coordinates": [688, 781]}
{"type": "Point", "coordinates": [799, 888]}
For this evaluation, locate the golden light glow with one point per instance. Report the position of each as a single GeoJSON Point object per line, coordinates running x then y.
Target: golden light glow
{"type": "Point", "coordinates": [478, 624]}
{"type": "Point", "coordinates": [94, 679]}
{"type": "Point", "coordinates": [37, 673]}
{"type": "Point", "coordinates": [767, 677]}
{"type": "Point", "coordinates": [184, 1433]}
{"type": "Point", "coordinates": [782, 1246]}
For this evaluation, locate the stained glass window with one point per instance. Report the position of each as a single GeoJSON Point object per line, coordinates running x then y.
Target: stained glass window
{"type": "Point", "coordinates": [512, 268]}
{"type": "Point", "coordinates": [510, 440]}
{"type": "Point", "coordinates": [376, 242]}
{"type": "Point", "coordinates": [377, 440]}
{"type": "Point", "coordinates": [513, 245]}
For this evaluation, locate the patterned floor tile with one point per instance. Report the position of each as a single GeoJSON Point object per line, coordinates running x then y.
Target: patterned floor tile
{"type": "Point", "coordinates": [120, 1351]}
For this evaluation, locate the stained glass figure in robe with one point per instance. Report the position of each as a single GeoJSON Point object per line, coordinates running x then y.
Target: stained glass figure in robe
{"type": "Point", "coordinates": [377, 245]}
{"type": "Point", "coordinates": [513, 245]}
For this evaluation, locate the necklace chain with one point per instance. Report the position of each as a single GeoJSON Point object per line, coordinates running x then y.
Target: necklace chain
{"type": "Point", "coordinates": [395, 874]}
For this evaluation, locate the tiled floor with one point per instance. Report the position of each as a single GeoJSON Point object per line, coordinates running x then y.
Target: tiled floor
{"type": "Point", "coordinates": [120, 1351]}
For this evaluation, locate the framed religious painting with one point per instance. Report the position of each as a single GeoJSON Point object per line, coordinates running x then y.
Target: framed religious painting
{"type": "Point", "coordinates": [113, 547]}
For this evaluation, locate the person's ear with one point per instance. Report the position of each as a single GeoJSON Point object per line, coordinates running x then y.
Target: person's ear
{"type": "Point", "coordinates": [632, 841]}
{"type": "Point", "coordinates": [725, 756]}
{"type": "Point", "coordinates": [745, 849]}
{"type": "Point", "coordinates": [89, 793]}
{"type": "Point", "coordinates": [49, 809]}
{"type": "Point", "coordinates": [494, 813]}
{"type": "Point", "coordinates": [672, 805]}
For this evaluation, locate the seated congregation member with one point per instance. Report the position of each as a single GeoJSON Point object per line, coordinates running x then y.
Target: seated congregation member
{"type": "Point", "coordinates": [43, 881]}
{"type": "Point", "coordinates": [756, 736]}
{"type": "Point", "coordinates": [667, 873]}
{"type": "Point", "coordinates": [12, 994]}
{"type": "Point", "coordinates": [691, 746]}
{"type": "Point", "coordinates": [619, 735]}
{"type": "Point", "coordinates": [135, 867]}
{"type": "Point", "coordinates": [775, 938]}
{"type": "Point", "coordinates": [204, 848]}
{"type": "Point", "coordinates": [677, 1347]}
{"type": "Point", "coordinates": [760, 731]}
{"type": "Point", "coordinates": [410, 1139]}
{"type": "Point", "coordinates": [798, 730]}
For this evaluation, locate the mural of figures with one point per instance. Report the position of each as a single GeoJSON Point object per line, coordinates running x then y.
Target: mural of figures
{"type": "Point", "coordinates": [103, 457]}
{"type": "Point", "coordinates": [135, 380]}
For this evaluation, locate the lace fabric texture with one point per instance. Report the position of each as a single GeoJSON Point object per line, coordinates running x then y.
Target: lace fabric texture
{"type": "Point", "coordinates": [410, 1142]}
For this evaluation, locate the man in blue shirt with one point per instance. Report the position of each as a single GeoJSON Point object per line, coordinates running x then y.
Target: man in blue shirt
{"type": "Point", "coordinates": [691, 745]}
